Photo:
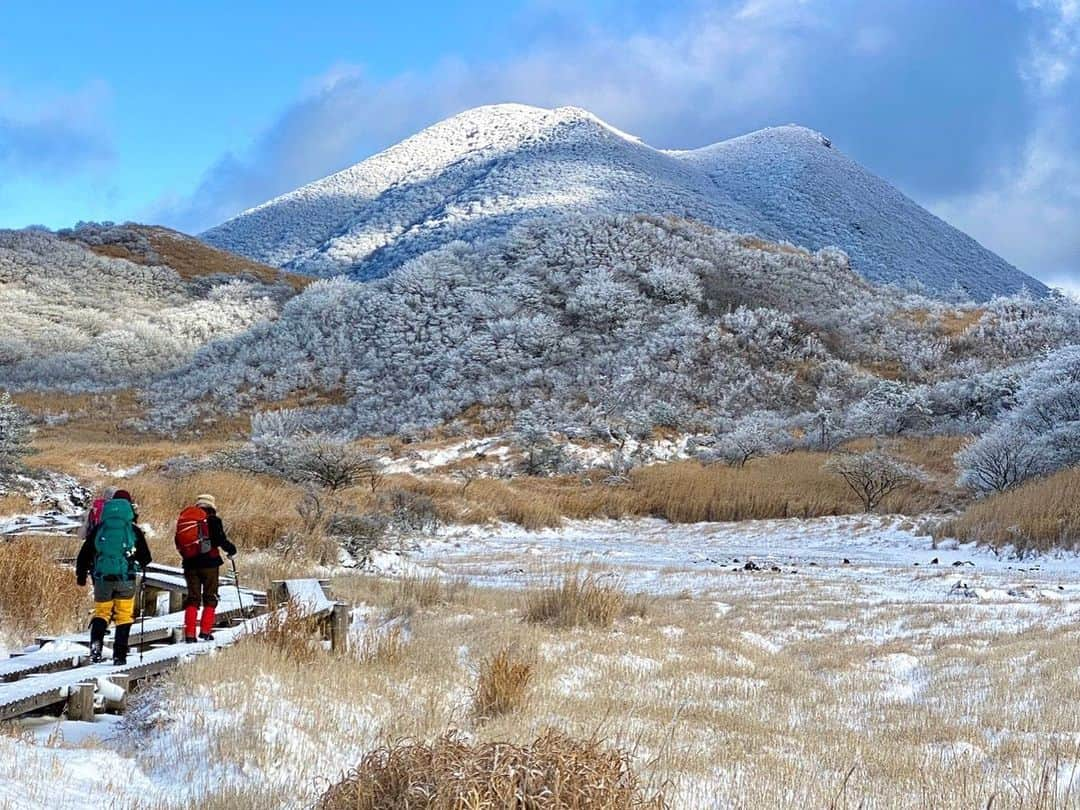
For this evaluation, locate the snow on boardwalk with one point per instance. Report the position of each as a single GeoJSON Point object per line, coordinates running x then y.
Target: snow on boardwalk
{"type": "Point", "coordinates": [31, 684]}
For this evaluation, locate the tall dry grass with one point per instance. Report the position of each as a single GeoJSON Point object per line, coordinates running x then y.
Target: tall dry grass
{"type": "Point", "coordinates": [1039, 516]}
{"type": "Point", "coordinates": [578, 599]}
{"type": "Point", "coordinates": [555, 772]}
{"type": "Point", "coordinates": [502, 684]}
{"type": "Point", "coordinates": [14, 503]}
{"type": "Point", "coordinates": [257, 510]}
{"type": "Point", "coordinates": [781, 699]}
{"type": "Point", "coordinates": [38, 596]}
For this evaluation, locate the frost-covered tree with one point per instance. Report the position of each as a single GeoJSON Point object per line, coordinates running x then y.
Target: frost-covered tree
{"type": "Point", "coordinates": [890, 409]}
{"type": "Point", "coordinates": [616, 325]}
{"type": "Point", "coordinates": [755, 436]}
{"type": "Point", "coordinates": [999, 460]}
{"type": "Point", "coordinates": [14, 433]}
{"type": "Point", "coordinates": [1039, 435]}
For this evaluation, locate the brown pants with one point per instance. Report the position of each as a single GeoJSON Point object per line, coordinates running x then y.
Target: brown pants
{"type": "Point", "coordinates": [202, 587]}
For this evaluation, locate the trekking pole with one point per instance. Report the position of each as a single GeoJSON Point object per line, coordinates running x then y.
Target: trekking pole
{"type": "Point", "coordinates": [142, 611]}
{"type": "Point", "coordinates": [236, 582]}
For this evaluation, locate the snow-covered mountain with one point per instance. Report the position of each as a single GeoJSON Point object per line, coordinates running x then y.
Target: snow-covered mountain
{"type": "Point", "coordinates": [475, 175]}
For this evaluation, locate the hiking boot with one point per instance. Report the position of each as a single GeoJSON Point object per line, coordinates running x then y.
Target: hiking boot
{"type": "Point", "coordinates": [97, 638]}
{"type": "Point", "coordinates": [190, 639]}
{"type": "Point", "coordinates": [120, 644]}
{"type": "Point", "coordinates": [206, 636]}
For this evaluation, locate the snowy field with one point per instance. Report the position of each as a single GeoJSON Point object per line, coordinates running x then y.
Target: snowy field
{"type": "Point", "coordinates": [844, 647]}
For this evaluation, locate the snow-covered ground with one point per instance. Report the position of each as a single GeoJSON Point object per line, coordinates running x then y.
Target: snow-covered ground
{"type": "Point", "coordinates": [869, 558]}
{"type": "Point", "coordinates": [869, 587]}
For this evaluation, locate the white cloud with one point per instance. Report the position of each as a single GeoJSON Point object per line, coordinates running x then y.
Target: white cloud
{"type": "Point", "coordinates": [49, 134]}
{"type": "Point", "coordinates": [688, 79]}
{"type": "Point", "coordinates": [1030, 214]}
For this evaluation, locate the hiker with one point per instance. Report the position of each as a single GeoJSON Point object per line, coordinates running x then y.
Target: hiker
{"type": "Point", "coordinates": [200, 538]}
{"type": "Point", "coordinates": [113, 550]}
{"type": "Point", "coordinates": [93, 514]}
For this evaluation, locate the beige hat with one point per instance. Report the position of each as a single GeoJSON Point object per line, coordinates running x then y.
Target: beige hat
{"type": "Point", "coordinates": [206, 500]}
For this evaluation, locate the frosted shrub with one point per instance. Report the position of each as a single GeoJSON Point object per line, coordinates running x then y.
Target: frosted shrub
{"type": "Point", "coordinates": [756, 436]}
{"type": "Point", "coordinates": [14, 433]}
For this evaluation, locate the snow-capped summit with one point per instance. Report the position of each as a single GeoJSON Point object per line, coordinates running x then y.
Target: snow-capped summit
{"type": "Point", "coordinates": [477, 174]}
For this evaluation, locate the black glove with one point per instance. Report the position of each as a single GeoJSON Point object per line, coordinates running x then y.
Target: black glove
{"type": "Point", "coordinates": [81, 580]}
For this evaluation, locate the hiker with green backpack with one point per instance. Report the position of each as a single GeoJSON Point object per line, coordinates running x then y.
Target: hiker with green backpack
{"type": "Point", "coordinates": [113, 552]}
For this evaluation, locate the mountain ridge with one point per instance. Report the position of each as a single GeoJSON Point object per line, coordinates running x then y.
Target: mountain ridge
{"type": "Point", "coordinates": [477, 174]}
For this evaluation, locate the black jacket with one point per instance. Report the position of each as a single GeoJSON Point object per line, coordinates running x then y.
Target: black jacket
{"type": "Point", "coordinates": [218, 540]}
{"type": "Point", "coordinates": [85, 564]}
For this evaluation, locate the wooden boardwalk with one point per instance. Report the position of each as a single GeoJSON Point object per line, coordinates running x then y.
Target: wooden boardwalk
{"type": "Point", "coordinates": [58, 673]}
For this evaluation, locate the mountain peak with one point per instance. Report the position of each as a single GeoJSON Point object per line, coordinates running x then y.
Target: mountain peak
{"type": "Point", "coordinates": [479, 173]}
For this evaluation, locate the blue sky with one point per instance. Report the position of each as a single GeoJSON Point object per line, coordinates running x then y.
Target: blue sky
{"type": "Point", "coordinates": [186, 113]}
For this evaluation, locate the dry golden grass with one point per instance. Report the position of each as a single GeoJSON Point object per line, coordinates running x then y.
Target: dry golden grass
{"type": "Point", "coordinates": [1039, 516]}
{"type": "Point", "coordinates": [554, 772]}
{"type": "Point", "coordinates": [951, 324]}
{"type": "Point", "coordinates": [501, 685]}
{"type": "Point", "coordinates": [191, 258]}
{"type": "Point", "coordinates": [257, 510]}
{"type": "Point", "coordinates": [14, 503]}
{"type": "Point", "coordinates": [793, 485]}
{"type": "Point", "coordinates": [771, 703]}
{"type": "Point", "coordinates": [290, 634]}
{"type": "Point", "coordinates": [384, 647]}
{"type": "Point", "coordinates": [38, 596]}
{"type": "Point", "coordinates": [578, 599]}
{"type": "Point", "coordinates": [413, 592]}
{"type": "Point", "coordinates": [756, 243]}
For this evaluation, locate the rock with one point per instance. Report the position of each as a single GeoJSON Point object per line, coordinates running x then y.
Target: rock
{"type": "Point", "coordinates": [751, 566]}
{"type": "Point", "coordinates": [934, 561]}
{"type": "Point", "coordinates": [847, 561]}
{"type": "Point", "coordinates": [775, 569]}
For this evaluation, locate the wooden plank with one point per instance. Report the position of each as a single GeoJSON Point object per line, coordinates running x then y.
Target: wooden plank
{"type": "Point", "coordinates": [42, 661]}
{"type": "Point", "coordinates": [30, 704]}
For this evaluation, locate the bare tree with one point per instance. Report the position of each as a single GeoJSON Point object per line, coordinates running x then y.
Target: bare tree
{"type": "Point", "coordinates": [466, 476]}
{"type": "Point", "coordinates": [873, 475]}
{"type": "Point", "coordinates": [334, 465]}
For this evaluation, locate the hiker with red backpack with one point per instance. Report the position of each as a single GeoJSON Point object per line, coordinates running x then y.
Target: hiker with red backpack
{"type": "Point", "coordinates": [113, 552]}
{"type": "Point", "coordinates": [200, 539]}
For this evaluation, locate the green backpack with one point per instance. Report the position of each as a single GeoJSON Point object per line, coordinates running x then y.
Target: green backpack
{"type": "Point", "coordinates": [115, 540]}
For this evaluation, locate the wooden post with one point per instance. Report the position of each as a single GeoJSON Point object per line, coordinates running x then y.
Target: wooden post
{"type": "Point", "coordinates": [176, 601]}
{"type": "Point", "coordinates": [150, 600]}
{"type": "Point", "coordinates": [119, 706]}
{"type": "Point", "coordinates": [80, 705]}
{"type": "Point", "coordinates": [339, 628]}
{"type": "Point", "coordinates": [278, 594]}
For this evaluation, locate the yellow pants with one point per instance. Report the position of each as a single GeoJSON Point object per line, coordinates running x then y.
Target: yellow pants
{"type": "Point", "coordinates": [121, 611]}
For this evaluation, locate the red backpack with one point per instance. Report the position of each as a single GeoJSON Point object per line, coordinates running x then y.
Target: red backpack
{"type": "Point", "coordinates": [94, 518]}
{"type": "Point", "coordinates": [193, 533]}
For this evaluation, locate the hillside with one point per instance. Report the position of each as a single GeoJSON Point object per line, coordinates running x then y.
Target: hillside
{"type": "Point", "coordinates": [476, 175]}
{"type": "Point", "coordinates": [81, 321]}
{"type": "Point", "coordinates": [616, 324]}
{"type": "Point", "coordinates": [191, 258]}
